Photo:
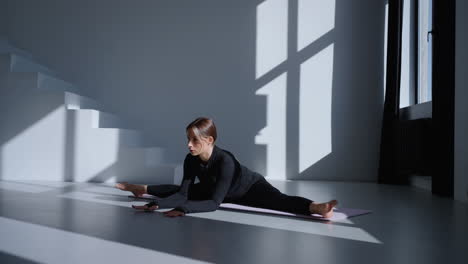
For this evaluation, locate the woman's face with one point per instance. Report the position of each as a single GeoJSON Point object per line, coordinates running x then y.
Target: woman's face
{"type": "Point", "coordinates": [196, 145]}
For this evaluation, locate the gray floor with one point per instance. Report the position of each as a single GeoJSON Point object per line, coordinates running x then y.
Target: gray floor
{"type": "Point", "coordinates": [51, 222]}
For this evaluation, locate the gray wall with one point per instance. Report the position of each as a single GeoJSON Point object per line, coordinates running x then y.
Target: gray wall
{"type": "Point", "coordinates": [164, 63]}
{"type": "Point", "coordinates": [3, 17]}
{"type": "Point", "coordinates": [461, 107]}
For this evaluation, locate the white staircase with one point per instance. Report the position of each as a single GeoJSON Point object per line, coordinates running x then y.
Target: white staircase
{"type": "Point", "coordinates": [48, 131]}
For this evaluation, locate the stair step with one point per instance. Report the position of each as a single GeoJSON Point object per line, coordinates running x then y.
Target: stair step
{"type": "Point", "coordinates": [76, 101]}
{"type": "Point", "coordinates": [6, 47]}
{"type": "Point", "coordinates": [48, 82]}
{"type": "Point", "coordinates": [162, 174]}
{"type": "Point", "coordinates": [126, 137]}
{"type": "Point", "coordinates": [129, 137]}
{"type": "Point", "coordinates": [108, 120]}
{"type": "Point", "coordinates": [16, 63]}
{"type": "Point", "coordinates": [20, 95]}
{"type": "Point", "coordinates": [101, 153]}
{"type": "Point", "coordinates": [21, 85]}
{"type": "Point", "coordinates": [37, 80]}
{"type": "Point", "coordinates": [5, 62]}
{"type": "Point", "coordinates": [23, 64]}
{"type": "Point", "coordinates": [150, 156]}
{"type": "Point", "coordinates": [131, 164]}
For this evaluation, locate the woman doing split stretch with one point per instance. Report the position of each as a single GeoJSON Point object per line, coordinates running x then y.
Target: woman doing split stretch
{"type": "Point", "coordinates": [222, 180]}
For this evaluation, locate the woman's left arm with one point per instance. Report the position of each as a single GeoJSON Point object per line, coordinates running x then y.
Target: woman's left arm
{"type": "Point", "coordinates": [223, 184]}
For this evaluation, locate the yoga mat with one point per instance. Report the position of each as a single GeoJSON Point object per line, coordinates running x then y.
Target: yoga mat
{"type": "Point", "coordinates": [338, 213]}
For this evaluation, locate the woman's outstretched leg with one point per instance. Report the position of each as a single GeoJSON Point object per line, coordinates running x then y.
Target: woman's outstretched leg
{"type": "Point", "coordinates": [263, 195]}
{"type": "Point", "coordinates": [161, 190]}
{"type": "Point", "coordinates": [323, 209]}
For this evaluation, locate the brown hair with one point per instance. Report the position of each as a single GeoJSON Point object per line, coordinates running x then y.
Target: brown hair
{"type": "Point", "coordinates": [202, 127]}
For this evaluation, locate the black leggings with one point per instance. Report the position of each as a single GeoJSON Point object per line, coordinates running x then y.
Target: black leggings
{"type": "Point", "coordinates": [261, 194]}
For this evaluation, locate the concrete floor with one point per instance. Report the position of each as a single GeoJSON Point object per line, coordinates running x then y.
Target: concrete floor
{"type": "Point", "coordinates": [53, 222]}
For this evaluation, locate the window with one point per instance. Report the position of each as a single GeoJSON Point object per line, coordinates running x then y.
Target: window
{"type": "Point", "coordinates": [407, 77]}
{"type": "Point", "coordinates": [416, 53]}
{"type": "Point", "coordinates": [424, 51]}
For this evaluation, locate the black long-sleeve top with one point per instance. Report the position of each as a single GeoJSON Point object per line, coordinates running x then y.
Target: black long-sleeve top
{"type": "Point", "coordinates": [223, 176]}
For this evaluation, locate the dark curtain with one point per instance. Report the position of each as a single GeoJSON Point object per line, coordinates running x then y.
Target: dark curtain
{"type": "Point", "coordinates": [388, 165]}
{"type": "Point", "coordinates": [443, 95]}
{"type": "Point", "coordinates": [441, 137]}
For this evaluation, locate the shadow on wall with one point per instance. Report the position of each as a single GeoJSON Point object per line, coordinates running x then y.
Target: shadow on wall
{"type": "Point", "coordinates": [165, 63]}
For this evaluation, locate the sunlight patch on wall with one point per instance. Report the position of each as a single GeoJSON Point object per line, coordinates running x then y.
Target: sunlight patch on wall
{"type": "Point", "coordinates": [274, 134]}
{"type": "Point", "coordinates": [315, 108]}
{"type": "Point", "coordinates": [37, 153]}
{"type": "Point", "coordinates": [315, 18]}
{"type": "Point", "coordinates": [272, 35]}
{"type": "Point", "coordinates": [95, 149]}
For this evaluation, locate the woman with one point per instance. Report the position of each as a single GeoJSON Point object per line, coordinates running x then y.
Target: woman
{"type": "Point", "coordinates": [222, 180]}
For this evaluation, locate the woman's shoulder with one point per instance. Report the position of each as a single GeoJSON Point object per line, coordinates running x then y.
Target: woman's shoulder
{"type": "Point", "coordinates": [225, 156]}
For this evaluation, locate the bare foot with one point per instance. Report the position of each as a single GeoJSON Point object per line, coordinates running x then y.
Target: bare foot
{"type": "Point", "coordinates": [137, 190]}
{"type": "Point", "coordinates": [323, 209]}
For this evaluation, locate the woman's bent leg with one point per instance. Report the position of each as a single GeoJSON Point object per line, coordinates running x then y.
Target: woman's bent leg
{"type": "Point", "coordinates": [263, 195]}
{"type": "Point", "coordinates": [196, 191]}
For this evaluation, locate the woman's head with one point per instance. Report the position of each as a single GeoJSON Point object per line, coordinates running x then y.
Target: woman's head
{"type": "Point", "coordinates": [201, 135]}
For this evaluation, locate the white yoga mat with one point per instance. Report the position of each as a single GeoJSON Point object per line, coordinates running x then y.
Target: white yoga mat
{"type": "Point", "coordinates": [338, 213]}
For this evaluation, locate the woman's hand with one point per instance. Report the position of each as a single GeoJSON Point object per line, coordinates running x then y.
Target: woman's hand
{"type": "Point", "coordinates": [174, 213]}
{"type": "Point", "coordinates": [149, 207]}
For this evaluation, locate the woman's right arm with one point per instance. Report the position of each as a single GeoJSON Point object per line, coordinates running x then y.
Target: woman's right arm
{"type": "Point", "coordinates": [180, 197]}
